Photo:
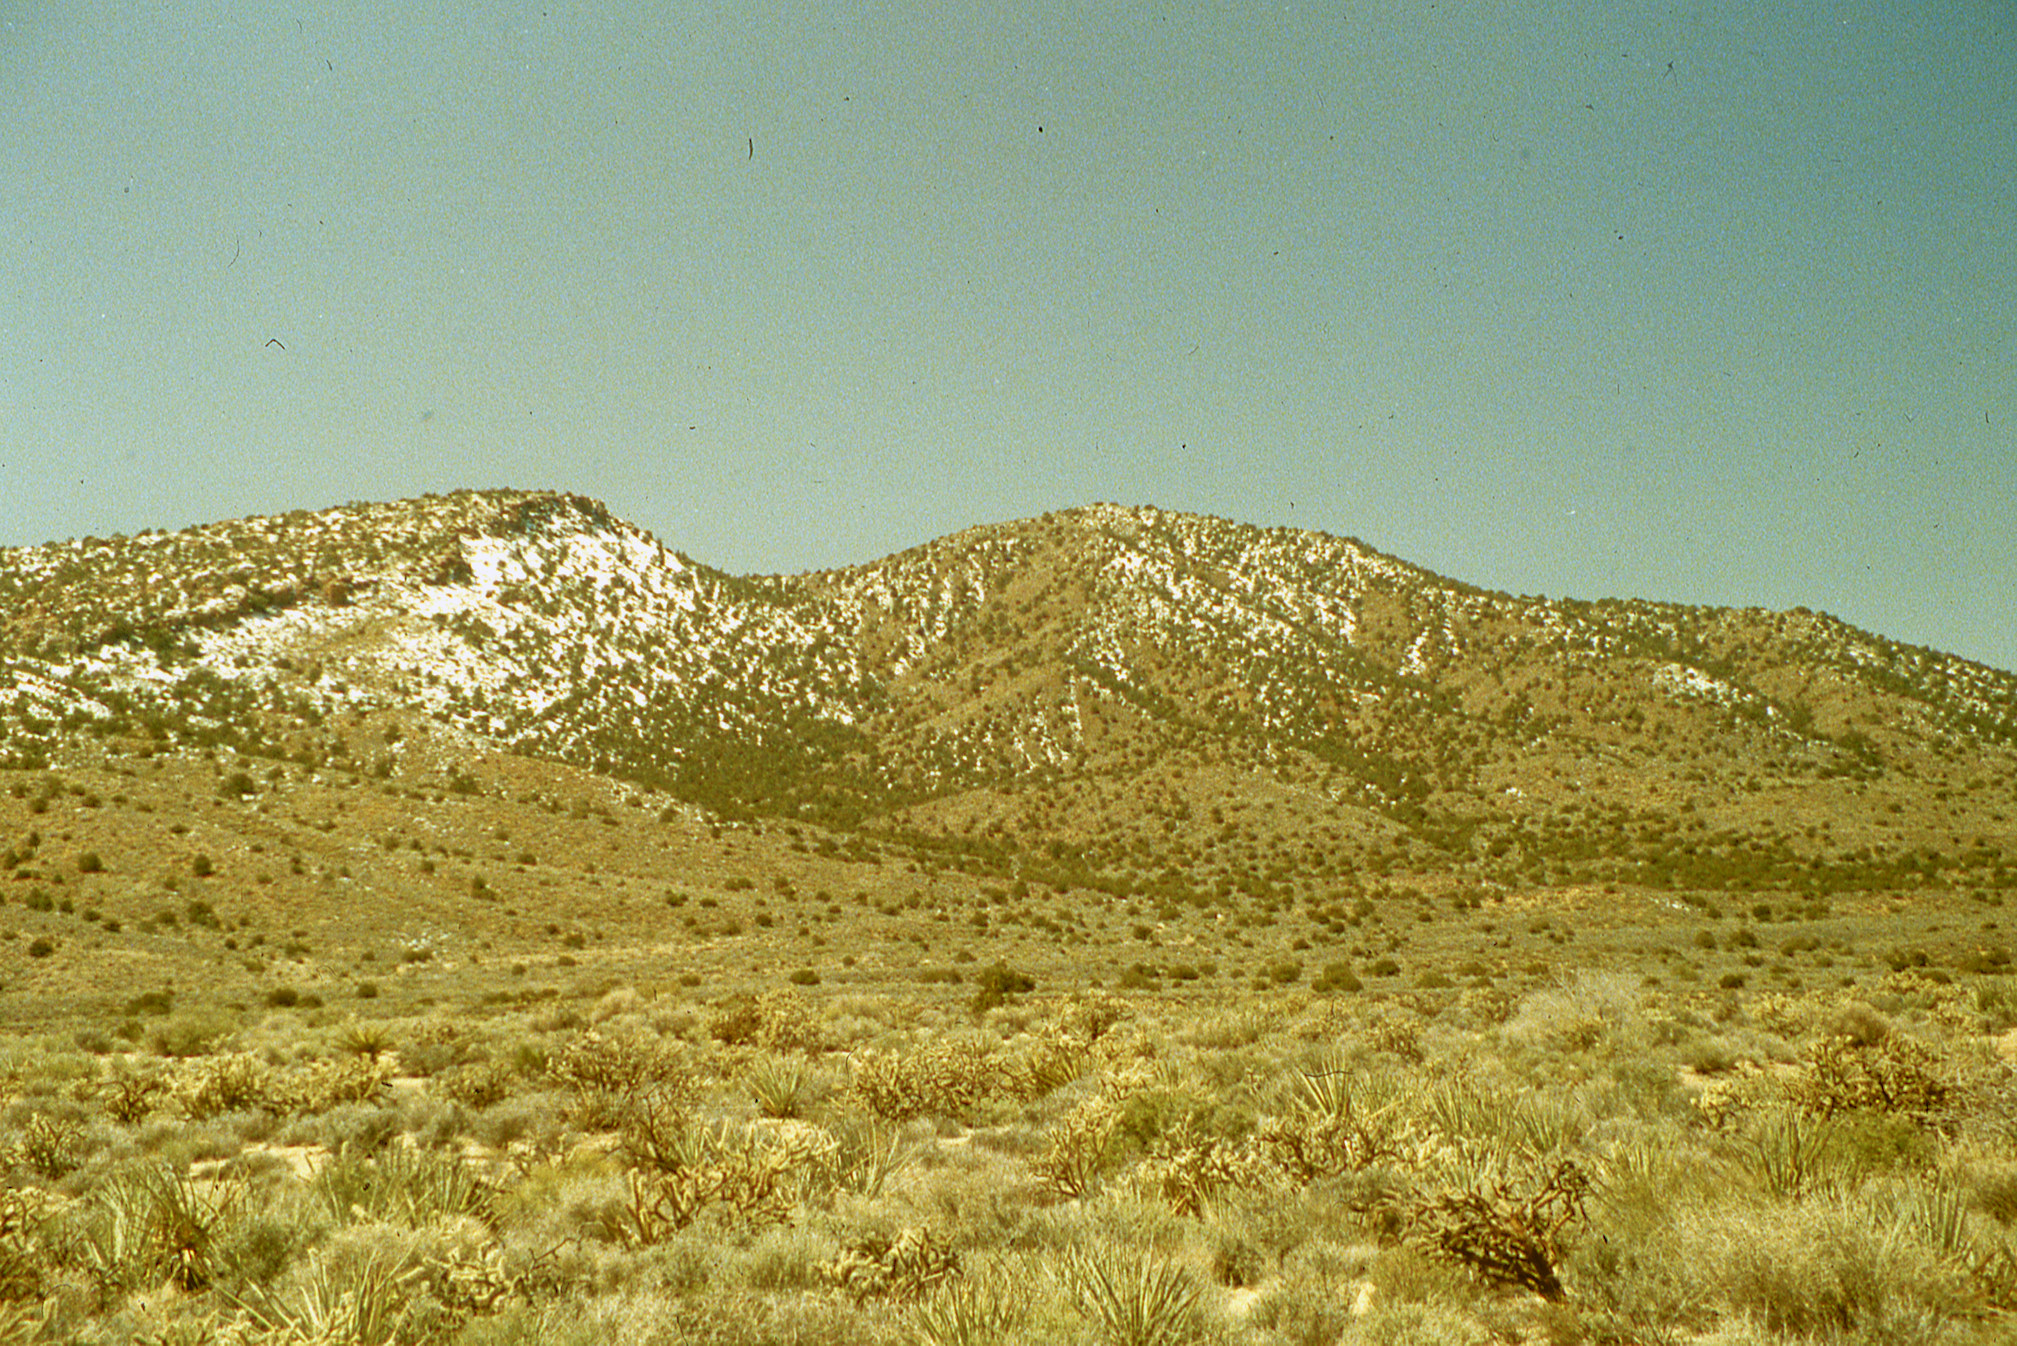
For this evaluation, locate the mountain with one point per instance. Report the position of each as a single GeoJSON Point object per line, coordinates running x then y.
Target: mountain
{"type": "Point", "coordinates": [1067, 685]}
{"type": "Point", "coordinates": [1121, 700]}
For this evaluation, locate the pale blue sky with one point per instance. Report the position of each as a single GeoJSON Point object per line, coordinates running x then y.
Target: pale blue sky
{"type": "Point", "coordinates": [1710, 303]}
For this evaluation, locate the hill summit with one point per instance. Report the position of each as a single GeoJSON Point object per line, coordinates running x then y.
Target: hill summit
{"type": "Point", "coordinates": [1164, 702]}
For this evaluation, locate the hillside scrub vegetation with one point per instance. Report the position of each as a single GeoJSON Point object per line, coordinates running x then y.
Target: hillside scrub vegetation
{"type": "Point", "coordinates": [1595, 1162]}
{"type": "Point", "coordinates": [467, 920]}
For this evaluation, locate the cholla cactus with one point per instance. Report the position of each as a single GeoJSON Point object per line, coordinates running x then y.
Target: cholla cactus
{"type": "Point", "coordinates": [1507, 1236]}
{"type": "Point", "coordinates": [1080, 1147]}
{"type": "Point", "coordinates": [903, 1269]}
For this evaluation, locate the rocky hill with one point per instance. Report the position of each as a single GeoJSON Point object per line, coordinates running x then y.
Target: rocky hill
{"type": "Point", "coordinates": [1157, 701]}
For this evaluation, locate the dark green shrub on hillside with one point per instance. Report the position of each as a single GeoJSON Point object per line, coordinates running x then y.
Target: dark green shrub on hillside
{"type": "Point", "coordinates": [1139, 977]}
{"type": "Point", "coordinates": [998, 985]}
{"type": "Point", "coordinates": [1337, 977]}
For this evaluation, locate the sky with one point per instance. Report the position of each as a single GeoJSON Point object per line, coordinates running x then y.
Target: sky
{"type": "Point", "coordinates": [1711, 303]}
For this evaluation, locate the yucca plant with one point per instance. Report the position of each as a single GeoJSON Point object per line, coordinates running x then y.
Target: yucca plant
{"type": "Point", "coordinates": [1788, 1153]}
{"type": "Point", "coordinates": [363, 1308]}
{"type": "Point", "coordinates": [780, 1086]}
{"type": "Point", "coordinates": [977, 1309]}
{"type": "Point", "coordinates": [401, 1186]}
{"type": "Point", "coordinates": [369, 1041]}
{"type": "Point", "coordinates": [867, 1152]}
{"type": "Point", "coordinates": [152, 1224]}
{"type": "Point", "coordinates": [1135, 1300]}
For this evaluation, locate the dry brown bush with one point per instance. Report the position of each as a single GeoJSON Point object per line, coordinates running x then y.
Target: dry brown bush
{"type": "Point", "coordinates": [1506, 1235]}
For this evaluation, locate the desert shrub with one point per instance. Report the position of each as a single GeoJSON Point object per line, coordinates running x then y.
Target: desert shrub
{"type": "Point", "coordinates": [1397, 1035]}
{"type": "Point", "coordinates": [1078, 1147]}
{"type": "Point", "coordinates": [901, 1269]}
{"type": "Point", "coordinates": [234, 1083]}
{"type": "Point", "coordinates": [192, 1032]}
{"type": "Point", "coordinates": [1337, 977]}
{"type": "Point", "coordinates": [1996, 999]}
{"type": "Point", "coordinates": [50, 1147]}
{"type": "Point", "coordinates": [394, 1287]}
{"type": "Point", "coordinates": [1893, 1074]}
{"type": "Point", "coordinates": [684, 1169]}
{"type": "Point", "coordinates": [1184, 1169]}
{"type": "Point", "coordinates": [129, 1095]}
{"type": "Point", "coordinates": [151, 1002]}
{"type": "Point", "coordinates": [780, 1021]}
{"type": "Point", "coordinates": [327, 1084]}
{"type": "Point", "coordinates": [1578, 1013]}
{"type": "Point", "coordinates": [998, 985]}
{"type": "Point", "coordinates": [610, 1076]}
{"type": "Point", "coordinates": [1823, 1265]}
{"type": "Point", "coordinates": [946, 1078]}
{"type": "Point", "coordinates": [480, 1084]}
{"type": "Point", "coordinates": [1336, 1122]}
{"type": "Point", "coordinates": [24, 1250]}
{"type": "Point", "coordinates": [1987, 1178]}
{"type": "Point", "coordinates": [1048, 1062]}
{"type": "Point", "coordinates": [1418, 1323]}
{"type": "Point", "coordinates": [1506, 1234]}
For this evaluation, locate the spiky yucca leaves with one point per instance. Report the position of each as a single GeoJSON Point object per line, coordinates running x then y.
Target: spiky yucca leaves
{"type": "Point", "coordinates": [1336, 1122]}
{"type": "Point", "coordinates": [1506, 1235]}
{"type": "Point", "coordinates": [865, 1154]}
{"type": "Point", "coordinates": [152, 1224]}
{"type": "Point", "coordinates": [364, 1305]}
{"type": "Point", "coordinates": [368, 1040]}
{"type": "Point", "coordinates": [401, 1185]}
{"type": "Point", "coordinates": [1135, 1300]}
{"type": "Point", "coordinates": [1788, 1152]}
{"type": "Point", "coordinates": [782, 1087]}
{"type": "Point", "coordinates": [987, 1306]}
